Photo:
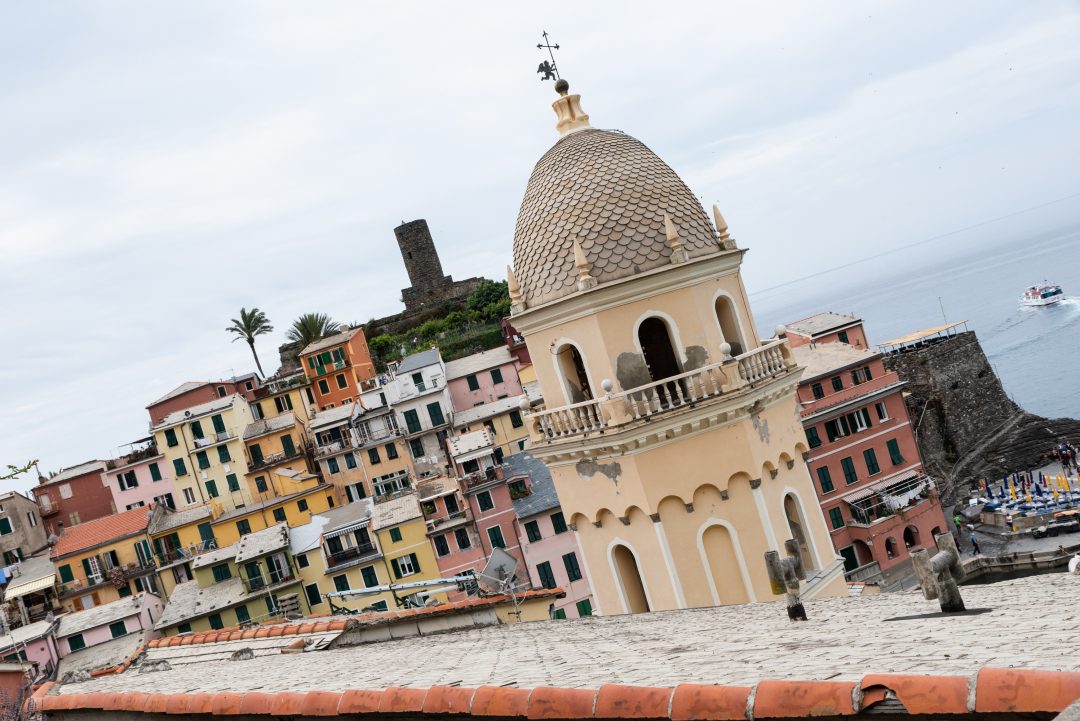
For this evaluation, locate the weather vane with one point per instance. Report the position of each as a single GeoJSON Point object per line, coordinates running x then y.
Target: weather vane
{"type": "Point", "coordinates": [550, 72]}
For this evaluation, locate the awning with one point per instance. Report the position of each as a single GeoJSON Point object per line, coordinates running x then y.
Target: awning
{"type": "Point", "coordinates": [873, 488]}
{"type": "Point", "coordinates": [38, 584]}
{"type": "Point", "coordinates": [347, 529]}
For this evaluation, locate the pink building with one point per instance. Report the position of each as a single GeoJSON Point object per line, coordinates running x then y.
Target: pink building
{"type": "Point", "coordinates": [550, 549]}
{"type": "Point", "coordinates": [878, 501]}
{"type": "Point", "coordinates": [451, 529]}
{"type": "Point", "coordinates": [131, 618]}
{"type": "Point", "coordinates": [827, 327]}
{"type": "Point", "coordinates": [482, 378]}
{"type": "Point", "coordinates": [35, 644]}
{"type": "Point", "coordinates": [140, 478]}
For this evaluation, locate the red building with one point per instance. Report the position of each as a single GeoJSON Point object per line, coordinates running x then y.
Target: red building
{"type": "Point", "coordinates": [877, 499]}
{"type": "Point", "coordinates": [74, 495]}
{"type": "Point", "coordinates": [338, 366]}
{"type": "Point", "coordinates": [194, 393]}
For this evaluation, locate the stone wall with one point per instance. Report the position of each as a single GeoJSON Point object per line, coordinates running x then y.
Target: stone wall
{"type": "Point", "coordinates": [429, 285]}
{"type": "Point", "coordinates": [966, 426]}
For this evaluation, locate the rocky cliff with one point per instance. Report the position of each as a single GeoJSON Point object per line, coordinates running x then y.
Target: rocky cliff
{"type": "Point", "coordinates": [966, 426]}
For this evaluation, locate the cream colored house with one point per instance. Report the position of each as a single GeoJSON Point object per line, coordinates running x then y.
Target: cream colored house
{"type": "Point", "coordinates": [670, 427]}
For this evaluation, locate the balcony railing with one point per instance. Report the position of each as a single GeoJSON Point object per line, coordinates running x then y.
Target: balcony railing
{"type": "Point", "coordinates": [480, 478]}
{"type": "Point", "coordinates": [261, 582]}
{"type": "Point", "coordinates": [659, 397]}
{"type": "Point", "coordinates": [273, 459]}
{"type": "Point", "coordinates": [173, 555]}
{"type": "Point", "coordinates": [351, 554]}
{"type": "Point", "coordinates": [212, 438]}
{"type": "Point", "coordinates": [127, 572]}
{"type": "Point", "coordinates": [336, 446]}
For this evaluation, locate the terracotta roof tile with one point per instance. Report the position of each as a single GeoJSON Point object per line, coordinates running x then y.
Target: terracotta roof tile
{"type": "Point", "coordinates": [1000, 690]}
{"type": "Point", "coordinates": [501, 701]}
{"type": "Point", "coordinates": [922, 694]}
{"type": "Point", "coordinates": [98, 532]}
{"type": "Point", "coordinates": [693, 702]}
{"type": "Point", "coordinates": [798, 699]}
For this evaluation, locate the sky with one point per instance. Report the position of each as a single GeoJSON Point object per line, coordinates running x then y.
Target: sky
{"type": "Point", "coordinates": [163, 164]}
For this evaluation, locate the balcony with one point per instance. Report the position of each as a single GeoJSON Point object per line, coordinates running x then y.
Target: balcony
{"type": "Point", "coordinates": [622, 409]}
{"type": "Point", "coordinates": [258, 583]}
{"type": "Point", "coordinates": [889, 499]}
{"type": "Point", "coordinates": [472, 481]}
{"type": "Point", "coordinates": [878, 384]}
{"type": "Point", "coordinates": [114, 576]}
{"type": "Point", "coordinates": [337, 445]}
{"type": "Point", "coordinates": [273, 459]}
{"type": "Point", "coordinates": [212, 439]}
{"type": "Point", "coordinates": [46, 507]}
{"type": "Point", "coordinates": [175, 555]}
{"type": "Point", "coordinates": [368, 436]}
{"type": "Point", "coordinates": [348, 555]}
{"type": "Point", "coordinates": [444, 520]}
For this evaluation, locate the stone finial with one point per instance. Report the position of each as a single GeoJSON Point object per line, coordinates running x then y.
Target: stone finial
{"type": "Point", "coordinates": [726, 241]}
{"type": "Point", "coordinates": [585, 279]}
{"type": "Point", "coordinates": [784, 577]}
{"type": "Point", "coordinates": [781, 331]}
{"type": "Point", "coordinates": [678, 252]}
{"type": "Point", "coordinates": [607, 385]}
{"type": "Point", "coordinates": [938, 575]}
{"type": "Point", "coordinates": [725, 351]}
{"type": "Point", "coordinates": [514, 288]}
{"type": "Point", "coordinates": [568, 110]}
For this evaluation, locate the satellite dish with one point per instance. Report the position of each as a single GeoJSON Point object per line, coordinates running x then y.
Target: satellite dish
{"type": "Point", "coordinates": [499, 574]}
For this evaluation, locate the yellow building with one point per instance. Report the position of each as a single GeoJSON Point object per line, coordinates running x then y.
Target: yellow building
{"type": "Point", "coordinates": [104, 560]}
{"type": "Point", "coordinates": [254, 579]}
{"type": "Point", "coordinates": [671, 431]}
{"type": "Point", "coordinates": [204, 448]}
{"type": "Point", "coordinates": [503, 418]}
{"type": "Point", "coordinates": [361, 452]}
{"type": "Point", "coordinates": [288, 394]}
{"type": "Point", "coordinates": [177, 538]}
{"type": "Point", "coordinates": [272, 445]}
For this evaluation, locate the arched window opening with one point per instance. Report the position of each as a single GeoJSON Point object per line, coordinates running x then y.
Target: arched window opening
{"type": "Point", "coordinates": [724, 565]}
{"type": "Point", "coordinates": [890, 547]}
{"type": "Point", "coordinates": [795, 525]}
{"type": "Point", "coordinates": [661, 359]}
{"type": "Point", "coordinates": [729, 325]}
{"type": "Point", "coordinates": [911, 536]}
{"type": "Point", "coordinates": [572, 368]}
{"type": "Point", "coordinates": [862, 552]}
{"type": "Point", "coordinates": [629, 579]}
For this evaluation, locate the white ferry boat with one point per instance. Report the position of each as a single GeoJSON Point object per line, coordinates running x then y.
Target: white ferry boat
{"type": "Point", "coordinates": [1045, 294]}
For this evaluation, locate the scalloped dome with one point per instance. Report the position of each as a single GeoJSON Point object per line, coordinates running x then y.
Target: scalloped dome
{"type": "Point", "coordinates": [607, 190]}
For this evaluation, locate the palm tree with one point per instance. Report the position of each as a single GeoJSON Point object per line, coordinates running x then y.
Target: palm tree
{"type": "Point", "coordinates": [311, 327]}
{"type": "Point", "coordinates": [250, 324]}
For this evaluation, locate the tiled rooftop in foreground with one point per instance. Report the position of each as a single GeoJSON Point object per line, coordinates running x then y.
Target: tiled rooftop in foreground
{"type": "Point", "coordinates": [955, 664]}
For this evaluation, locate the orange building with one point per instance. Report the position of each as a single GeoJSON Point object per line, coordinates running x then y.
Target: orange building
{"type": "Point", "coordinates": [336, 366]}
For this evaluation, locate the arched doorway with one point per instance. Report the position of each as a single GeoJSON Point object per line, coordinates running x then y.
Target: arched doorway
{"type": "Point", "coordinates": [890, 547]}
{"type": "Point", "coordinates": [862, 552]}
{"type": "Point", "coordinates": [723, 560]}
{"type": "Point", "coordinates": [911, 536]}
{"type": "Point", "coordinates": [628, 576]}
{"type": "Point", "coordinates": [660, 358]}
{"type": "Point", "coordinates": [572, 367]}
{"type": "Point", "coordinates": [935, 532]}
{"type": "Point", "coordinates": [729, 325]}
{"type": "Point", "coordinates": [798, 531]}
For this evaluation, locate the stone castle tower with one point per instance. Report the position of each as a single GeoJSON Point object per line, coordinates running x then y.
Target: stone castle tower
{"type": "Point", "coordinates": [670, 429]}
{"type": "Point", "coordinates": [429, 285]}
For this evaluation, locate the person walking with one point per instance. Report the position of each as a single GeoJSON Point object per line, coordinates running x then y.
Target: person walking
{"type": "Point", "coordinates": [958, 520]}
{"type": "Point", "coordinates": [975, 545]}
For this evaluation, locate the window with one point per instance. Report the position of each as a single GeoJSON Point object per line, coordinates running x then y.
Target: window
{"type": "Point", "coordinates": [474, 384]}
{"type": "Point", "coordinates": [817, 390]}
{"type": "Point", "coordinates": [350, 460]}
{"type": "Point", "coordinates": [496, 375]}
{"type": "Point", "coordinates": [203, 459]}
{"type": "Point", "coordinates": [221, 572]}
{"type": "Point", "coordinates": [179, 469]}
{"type": "Point", "coordinates": [812, 437]}
{"type": "Point", "coordinates": [842, 336]}
{"type": "Point", "coordinates": [850, 476]}
{"type": "Point", "coordinates": [836, 428]}
{"type": "Point", "coordinates": [558, 522]}
{"type": "Point", "coordinates": [495, 535]}
{"type": "Point", "coordinates": [196, 429]}
{"type": "Point", "coordinates": [279, 515]}
{"type": "Point", "coordinates": [73, 518]}
{"type": "Point", "coordinates": [391, 451]}
{"type": "Point", "coordinates": [341, 382]}
{"type": "Point", "coordinates": [189, 496]}
{"type": "Point", "coordinates": [825, 480]}
{"type": "Point", "coordinates": [242, 614]}
{"type": "Point", "coordinates": [515, 419]}
{"type": "Point", "coordinates": [836, 518]}
{"type": "Point", "coordinates": [435, 413]}
{"type": "Point", "coordinates": [370, 577]}
{"type": "Point", "coordinates": [314, 597]}
{"type": "Point", "coordinates": [882, 411]}
{"type": "Point", "coordinates": [118, 629]}
{"type": "Point", "coordinates": [405, 566]}
{"type": "Point", "coordinates": [260, 484]}
{"type": "Point", "coordinates": [871, 461]}
{"type": "Point", "coordinates": [127, 481]}
{"type": "Point", "coordinates": [461, 535]}
{"type": "Point", "coordinates": [483, 500]}
{"type": "Point", "coordinates": [31, 518]}
{"type": "Point", "coordinates": [221, 391]}
{"type": "Point", "coordinates": [243, 527]}
{"type": "Point", "coordinates": [584, 608]}
{"type": "Point", "coordinates": [547, 578]}
{"type": "Point", "coordinates": [532, 531]}
{"type": "Point", "coordinates": [310, 396]}
{"type": "Point", "coordinates": [395, 534]}
{"type": "Point", "coordinates": [573, 570]}
{"type": "Point", "coordinates": [442, 547]}
{"type": "Point", "coordinates": [859, 420]}
{"type": "Point", "coordinates": [76, 642]}
{"type": "Point", "coordinates": [184, 628]}
{"type": "Point", "coordinates": [215, 621]}
{"type": "Point", "coordinates": [302, 505]}
{"type": "Point", "coordinates": [412, 421]}
{"type": "Point", "coordinates": [170, 437]}
{"type": "Point", "coordinates": [418, 380]}
{"type": "Point", "coordinates": [416, 446]}
{"type": "Point", "coordinates": [256, 454]}
{"type": "Point", "coordinates": [894, 452]}
{"type": "Point", "coordinates": [341, 583]}
{"type": "Point", "coordinates": [332, 466]}
{"type": "Point", "coordinates": [379, 606]}
{"type": "Point", "coordinates": [330, 501]}
{"type": "Point", "coordinates": [155, 472]}
{"type": "Point", "coordinates": [65, 574]}
{"type": "Point", "coordinates": [373, 456]}
{"type": "Point", "coordinates": [283, 403]}
{"type": "Point", "coordinates": [232, 483]}
{"type": "Point", "coordinates": [324, 387]}
{"type": "Point", "coordinates": [837, 383]}
{"type": "Point", "coordinates": [355, 491]}
{"type": "Point", "coordinates": [5, 526]}
{"type": "Point", "coordinates": [223, 454]}
{"type": "Point", "coordinates": [257, 411]}
{"type": "Point", "coordinates": [560, 614]}
{"type": "Point", "coordinates": [211, 489]}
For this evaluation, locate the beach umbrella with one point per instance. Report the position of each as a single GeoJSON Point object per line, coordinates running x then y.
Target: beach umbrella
{"type": "Point", "coordinates": [1038, 490]}
{"type": "Point", "coordinates": [1012, 491]}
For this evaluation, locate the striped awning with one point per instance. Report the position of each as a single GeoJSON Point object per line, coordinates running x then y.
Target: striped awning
{"type": "Point", "coordinates": [37, 584]}
{"type": "Point", "coordinates": [346, 529]}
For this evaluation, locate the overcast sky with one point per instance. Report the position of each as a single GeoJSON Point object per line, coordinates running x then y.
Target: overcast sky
{"type": "Point", "coordinates": [163, 163]}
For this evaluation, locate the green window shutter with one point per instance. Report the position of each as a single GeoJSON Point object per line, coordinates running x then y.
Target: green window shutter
{"type": "Point", "coordinates": [219, 423]}
{"type": "Point", "coordinates": [515, 419]}
{"type": "Point", "coordinates": [118, 629]}
{"type": "Point", "coordinates": [215, 621]}
{"type": "Point", "coordinates": [373, 456]}
{"type": "Point", "coordinates": [560, 614]}
{"type": "Point", "coordinates": [812, 437]}
{"type": "Point", "coordinates": [170, 437]}
{"type": "Point", "coordinates": [211, 489]}
{"type": "Point", "coordinates": [584, 608]}
{"type": "Point", "coordinates": [223, 454]}
{"type": "Point", "coordinates": [86, 569]}
{"type": "Point", "coordinates": [417, 447]}
{"type": "Point", "coordinates": [496, 375]}
{"type": "Point", "coordinates": [371, 578]}
{"type": "Point", "coordinates": [242, 615]}
{"type": "Point", "coordinates": [495, 535]}
{"type": "Point", "coordinates": [287, 446]}
{"type": "Point", "coordinates": [221, 572]}
{"type": "Point", "coordinates": [558, 522]}
{"type": "Point", "coordinates": [836, 517]}
{"type": "Point", "coordinates": [573, 570]}
{"type": "Point", "coordinates": [547, 578]}
{"type": "Point", "coordinates": [5, 526]}
{"type": "Point", "coordinates": [391, 451]}
{"type": "Point", "coordinates": [341, 583]}
{"type": "Point", "coordinates": [871, 461]}
{"type": "Point", "coordinates": [435, 413]}
{"type": "Point", "coordinates": [232, 482]}
{"type": "Point", "coordinates": [894, 452]}
{"type": "Point", "coordinates": [850, 476]}
{"type": "Point", "coordinates": [76, 642]}
{"type": "Point", "coordinates": [243, 527]}
{"type": "Point", "coordinates": [184, 628]}
{"type": "Point", "coordinates": [203, 459]}
{"type": "Point", "coordinates": [395, 534]}
{"type": "Point", "coordinates": [415, 563]}
{"type": "Point", "coordinates": [474, 385]}
{"type": "Point", "coordinates": [66, 576]}
{"type": "Point", "coordinates": [196, 429]}
{"type": "Point", "coordinates": [825, 480]}
{"type": "Point", "coordinates": [179, 469]}
{"type": "Point", "coordinates": [332, 465]}
{"type": "Point", "coordinates": [279, 515]}
{"type": "Point", "coordinates": [396, 568]}
{"type": "Point", "coordinates": [256, 454]}
{"type": "Point", "coordinates": [155, 472]}
{"type": "Point", "coordinates": [314, 597]}
{"type": "Point", "coordinates": [532, 531]}
{"type": "Point", "coordinates": [412, 421]}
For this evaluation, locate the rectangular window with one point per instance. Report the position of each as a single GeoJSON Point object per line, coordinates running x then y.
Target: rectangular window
{"type": "Point", "coordinates": [558, 522]}
{"type": "Point", "coordinates": [391, 451]}
{"type": "Point", "coordinates": [324, 387]}
{"type": "Point", "coordinates": [584, 608]}
{"type": "Point", "coordinates": [418, 380]}
{"type": "Point", "coordinates": [515, 419]}
{"type": "Point", "coordinates": [179, 469]}
{"type": "Point", "coordinates": [573, 570]}
{"type": "Point", "coordinates": [373, 456]}
{"type": "Point", "coordinates": [76, 642]}
{"type": "Point", "coordinates": [223, 454]}
{"type": "Point", "coordinates": [65, 574]}
{"type": "Point", "coordinates": [412, 421]}
{"type": "Point", "coordinates": [842, 336]}
{"type": "Point", "coordinates": [242, 615]}
{"type": "Point", "coordinates": [341, 381]}
{"type": "Point", "coordinates": [369, 576]}
{"type": "Point", "coordinates": [5, 526]}
{"type": "Point", "coordinates": [405, 566]}
{"type": "Point", "coordinates": [882, 411]}
{"type": "Point", "coordinates": [817, 390]}
{"type": "Point", "coordinates": [442, 546]}
{"type": "Point", "coordinates": [483, 500]}
{"type": "Point", "coordinates": [812, 437]}
{"type": "Point", "coordinates": [836, 428]}
{"type": "Point", "coordinates": [302, 560]}
{"type": "Point", "coordinates": [341, 583]}
{"type": "Point", "coordinates": [232, 483]}
{"type": "Point", "coordinates": [189, 496]}
{"type": "Point", "coordinates": [279, 515]}
{"type": "Point", "coordinates": [350, 460]}
{"type": "Point", "coordinates": [332, 466]}
{"type": "Point", "coordinates": [495, 535]}
{"type": "Point", "coordinates": [496, 375]}
{"type": "Point", "coordinates": [461, 535]}
{"type": "Point", "coordinates": [170, 437]}
{"type": "Point", "coordinates": [474, 384]}
{"type": "Point", "coordinates": [314, 597]}
{"type": "Point", "coordinates": [837, 383]}
{"type": "Point", "coordinates": [435, 413]}
{"type": "Point", "coordinates": [825, 479]}
{"type": "Point", "coordinates": [202, 459]}
{"type": "Point", "coordinates": [532, 531]}
{"type": "Point", "coordinates": [416, 446]}
{"type": "Point", "coordinates": [218, 423]}
{"type": "Point", "coordinates": [836, 518]}
{"type": "Point", "coordinates": [215, 621]}
{"type": "Point", "coordinates": [260, 484]}
{"type": "Point", "coordinates": [547, 578]}
{"type": "Point", "coordinates": [850, 476]}
{"type": "Point", "coordinates": [184, 628]}
{"type": "Point", "coordinates": [894, 452]}
{"type": "Point", "coordinates": [302, 505]}
{"type": "Point", "coordinates": [221, 572]}
{"type": "Point", "coordinates": [196, 429]}
{"type": "Point", "coordinates": [560, 614]}
{"type": "Point", "coordinates": [871, 461]}
{"type": "Point", "coordinates": [155, 472]}
{"type": "Point", "coordinates": [211, 489]}
{"type": "Point", "coordinates": [243, 527]}
{"type": "Point", "coordinates": [257, 411]}
{"type": "Point", "coordinates": [395, 534]}
{"type": "Point", "coordinates": [283, 403]}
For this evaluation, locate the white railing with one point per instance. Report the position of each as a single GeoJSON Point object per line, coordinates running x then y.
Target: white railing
{"type": "Point", "coordinates": [681, 390]}
{"type": "Point", "coordinates": [572, 420]}
{"type": "Point", "coordinates": [763, 363]}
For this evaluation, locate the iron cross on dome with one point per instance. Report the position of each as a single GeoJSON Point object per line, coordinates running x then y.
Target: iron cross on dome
{"type": "Point", "coordinates": [548, 68]}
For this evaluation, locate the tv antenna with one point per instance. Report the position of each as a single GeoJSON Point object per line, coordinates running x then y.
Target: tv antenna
{"type": "Point", "coordinates": [499, 576]}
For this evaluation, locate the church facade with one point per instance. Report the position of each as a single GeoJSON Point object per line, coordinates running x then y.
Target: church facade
{"type": "Point", "coordinates": [670, 428]}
